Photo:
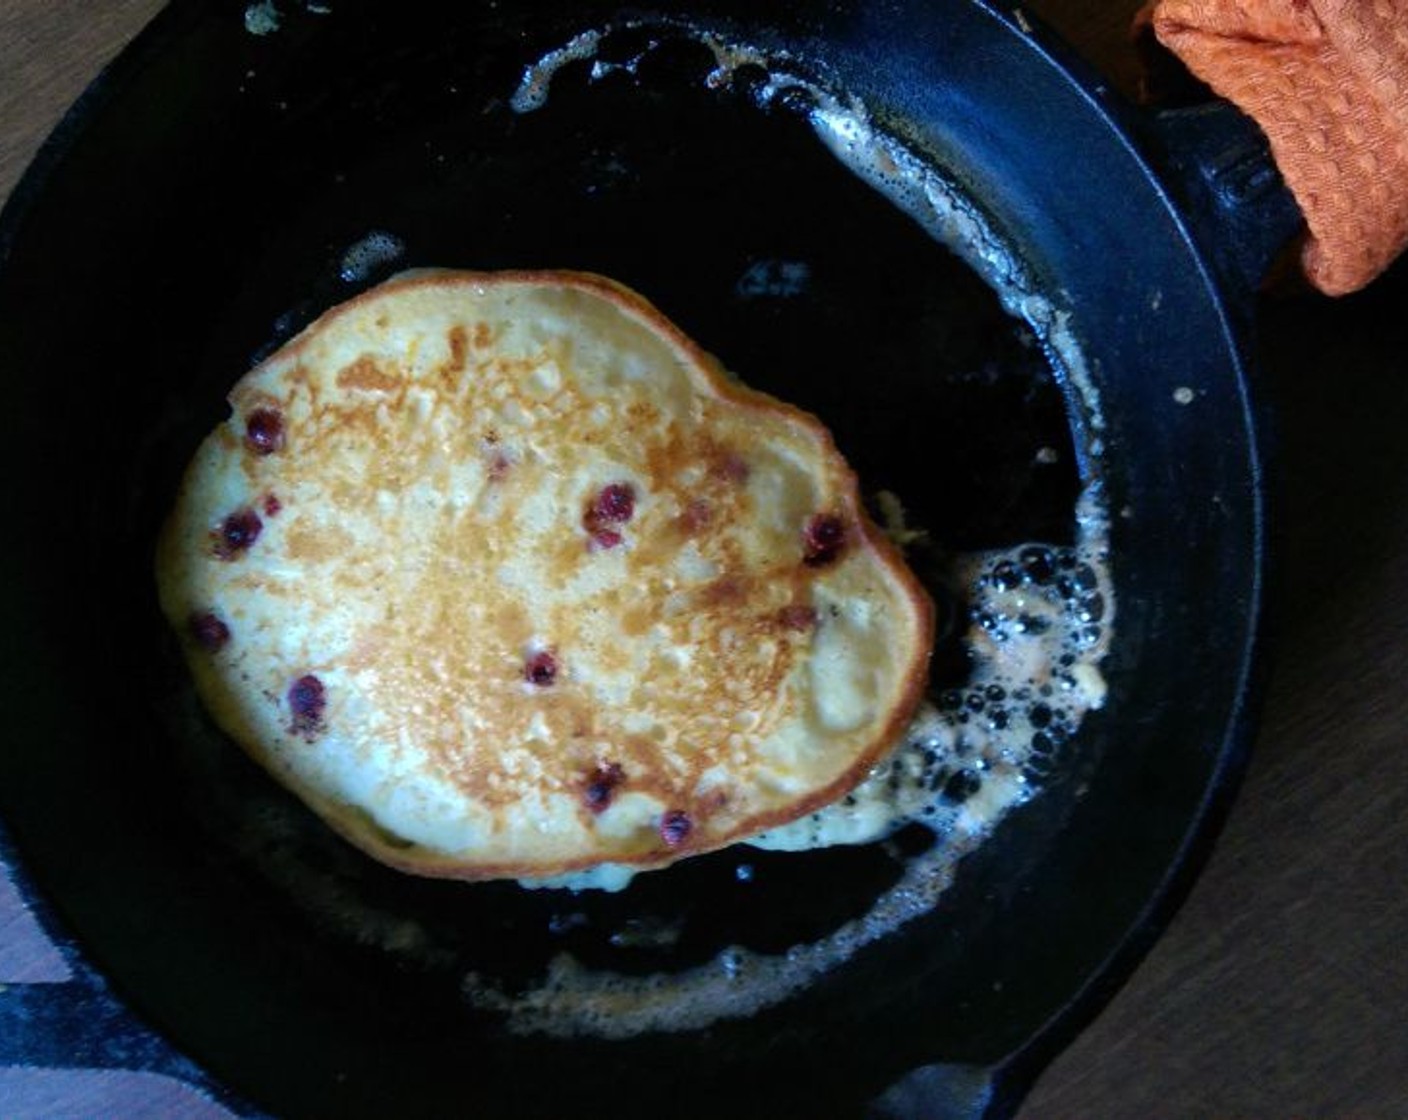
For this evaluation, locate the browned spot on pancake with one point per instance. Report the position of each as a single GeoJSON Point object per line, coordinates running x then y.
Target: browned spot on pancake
{"type": "Point", "coordinates": [797, 616]}
{"type": "Point", "coordinates": [696, 516]}
{"type": "Point", "coordinates": [482, 336]}
{"type": "Point", "coordinates": [513, 368]}
{"type": "Point", "coordinates": [459, 347]}
{"type": "Point", "coordinates": [669, 453]}
{"type": "Point", "coordinates": [343, 492]}
{"type": "Point", "coordinates": [642, 415]}
{"type": "Point", "coordinates": [365, 373]}
{"type": "Point", "coordinates": [725, 591]}
{"type": "Point", "coordinates": [316, 542]}
{"type": "Point", "coordinates": [613, 659]}
{"type": "Point", "coordinates": [512, 623]}
{"type": "Point", "coordinates": [338, 418]}
{"type": "Point", "coordinates": [637, 620]}
{"type": "Point", "coordinates": [566, 555]}
{"type": "Point", "coordinates": [493, 789]}
{"type": "Point", "coordinates": [730, 466]}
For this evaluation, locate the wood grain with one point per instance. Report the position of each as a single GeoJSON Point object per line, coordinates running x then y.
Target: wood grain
{"type": "Point", "coordinates": [49, 51]}
{"type": "Point", "coordinates": [1281, 988]}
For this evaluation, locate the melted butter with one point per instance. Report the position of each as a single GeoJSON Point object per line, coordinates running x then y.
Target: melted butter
{"type": "Point", "coordinates": [532, 91]}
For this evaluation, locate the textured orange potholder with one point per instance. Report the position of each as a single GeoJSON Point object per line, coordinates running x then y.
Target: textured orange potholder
{"type": "Point", "coordinates": [1327, 80]}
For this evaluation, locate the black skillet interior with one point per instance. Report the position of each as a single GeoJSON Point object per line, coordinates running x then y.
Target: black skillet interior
{"type": "Point", "coordinates": [198, 208]}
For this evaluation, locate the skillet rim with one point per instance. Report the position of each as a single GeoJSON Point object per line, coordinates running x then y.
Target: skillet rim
{"type": "Point", "coordinates": [1021, 1068]}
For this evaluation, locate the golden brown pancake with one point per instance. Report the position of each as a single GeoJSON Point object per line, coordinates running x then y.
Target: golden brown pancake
{"type": "Point", "coordinates": [505, 577]}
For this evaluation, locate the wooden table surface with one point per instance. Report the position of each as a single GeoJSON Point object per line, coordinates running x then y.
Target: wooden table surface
{"type": "Point", "coordinates": [1281, 988]}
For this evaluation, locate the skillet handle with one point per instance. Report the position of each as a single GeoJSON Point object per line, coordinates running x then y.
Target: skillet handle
{"type": "Point", "coordinates": [1218, 164]}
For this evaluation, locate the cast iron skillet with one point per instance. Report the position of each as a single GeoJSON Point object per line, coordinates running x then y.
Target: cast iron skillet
{"type": "Point", "coordinates": [195, 209]}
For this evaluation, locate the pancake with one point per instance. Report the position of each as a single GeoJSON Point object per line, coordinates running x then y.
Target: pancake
{"type": "Point", "coordinates": [504, 577]}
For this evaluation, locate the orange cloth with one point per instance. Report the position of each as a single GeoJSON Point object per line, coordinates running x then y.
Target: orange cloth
{"type": "Point", "coordinates": [1327, 80]}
